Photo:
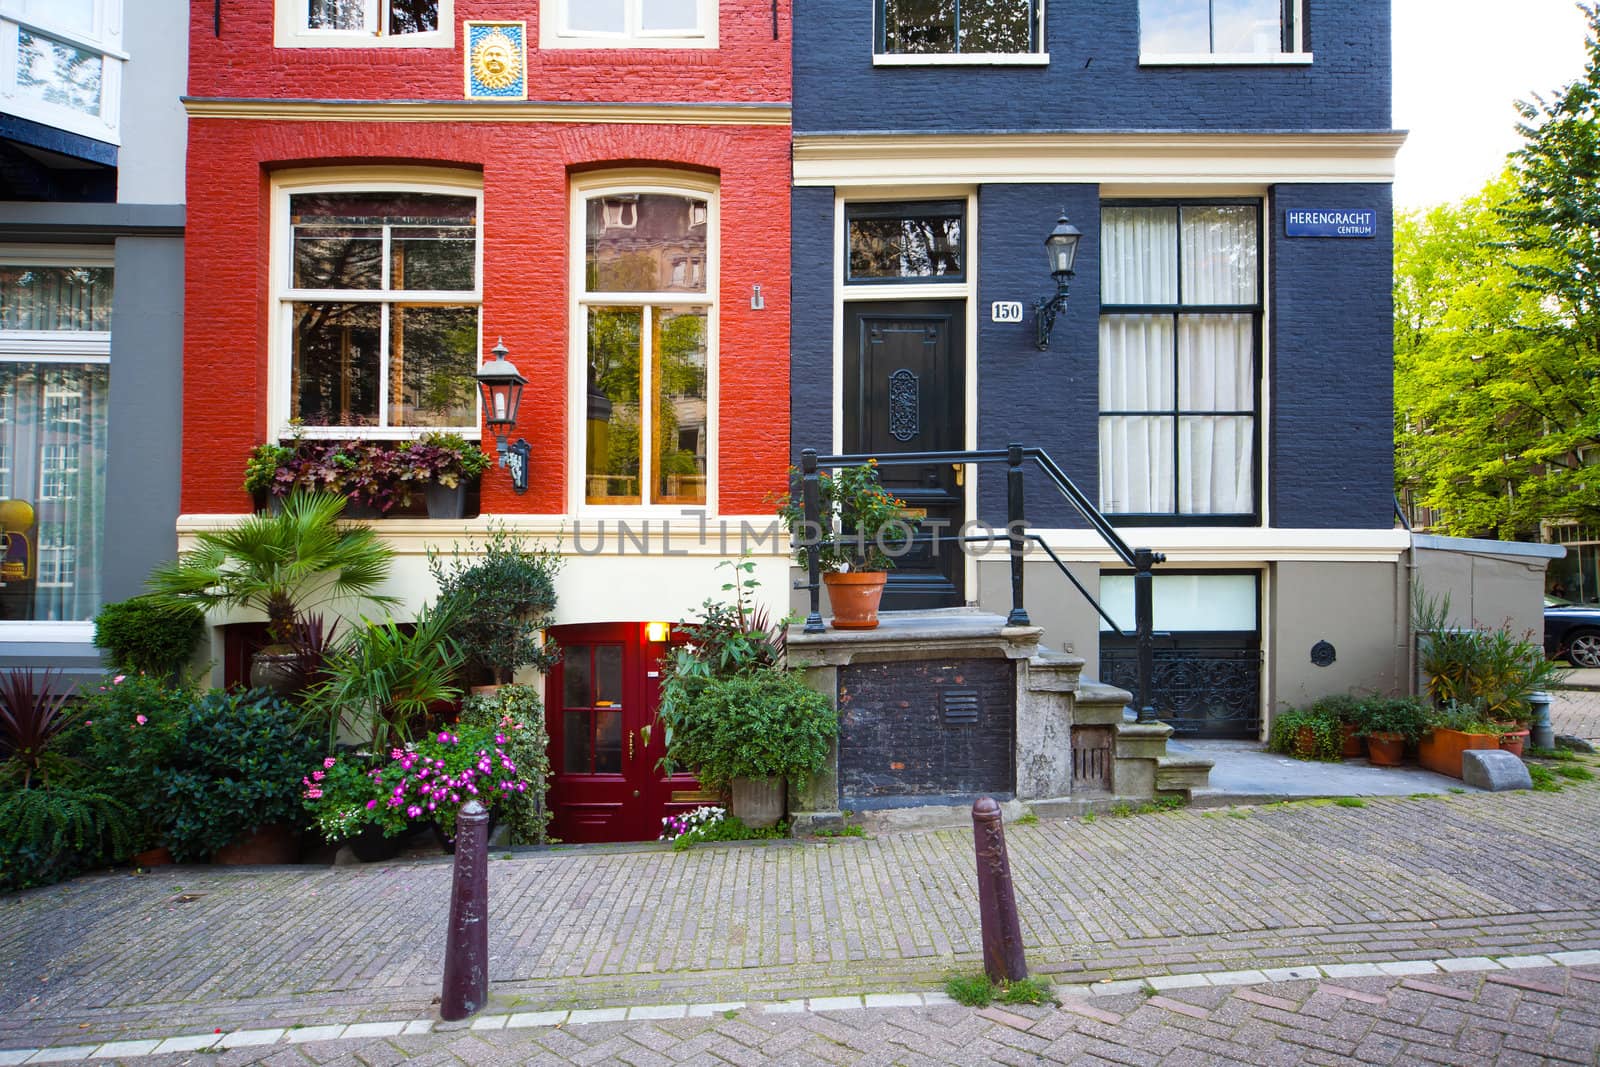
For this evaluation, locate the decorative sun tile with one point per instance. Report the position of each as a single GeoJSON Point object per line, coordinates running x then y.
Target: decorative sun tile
{"type": "Point", "coordinates": [496, 60]}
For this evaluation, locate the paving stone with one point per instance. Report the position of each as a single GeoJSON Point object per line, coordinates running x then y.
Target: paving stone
{"type": "Point", "coordinates": [1577, 959]}
{"type": "Point", "coordinates": [1115, 989]}
{"type": "Point", "coordinates": [833, 1003]}
{"type": "Point", "coordinates": [597, 1015]}
{"type": "Point", "coordinates": [187, 1043]}
{"type": "Point", "coordinates": [535, 1018]}
{"type": "Point", "coordinates": [1468, 963]}
{"type": "Point", "coordinates": [1237, 978]}
{"type": "Point", "coordinates": [113, 1049]}
{"type": "Point", "coordinates": [699, 1010]}
{"type": "Point", "coordinates": [1404, 967]}
{"type": "Point", "coordinates": [783, 1007]}
{"type": "Point", "coordinates": [1514, 962]}
{"type": "Point", "coordinates": [250, 1038]}
{"type": "Point", "coordinates": [495, 1022]}
{"type": "Point", "coordinates": [1351, 970]}
{"type": "Point", "coordinates": [1177, 981]}
{"type": "Point", "coordinates": [894, 1000]}
{"type": "Point", "coordinates": [1291, 974]}
{"type": "Point", "coordinates": [9, 1057]}
{"type": "Point", "coordinates": [314, 1033]}
{"type": "Point", "coordinates": [62, 1054]}
{"type": "Point", "coordinates": [659, 1011]}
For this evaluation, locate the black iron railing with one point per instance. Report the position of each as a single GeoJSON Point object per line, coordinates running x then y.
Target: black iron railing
{"type": "Point", "coordinates": [1142, 560]}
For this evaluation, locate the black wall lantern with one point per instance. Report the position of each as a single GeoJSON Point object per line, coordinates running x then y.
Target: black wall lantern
{"type": "Point", "coordinates": [502, 394]}
{"type": "Point", "coordinates": [1062, 247]}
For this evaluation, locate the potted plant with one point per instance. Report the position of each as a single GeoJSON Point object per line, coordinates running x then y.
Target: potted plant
{"type": "Point", "coordinates": [516, 715]}
{"type": "Point", "coordinates": [446, 463]}
{"type": "Point", "coordinates": [235, 780]}
{"type": "Point", "coordinates": [345, 798]}
{"type": "Point", "coordinates": [1390, 723]}
{"type": "Point", "coordinates": [261, 473]}
{"type": "Point", "coordinates": [277, 564]}
{"type": "Point", "coordinates": [1452, 730]}
{"type": "Point", "coordinates": [500, 604]}
{"type": "Point", "coordinates": [864, 527]}
{"type": "Point", "coordinates": [750, 731]}
{"type": "Point", "coordinates": [1306, 733]}
{"type": "Point", "coordinates": [383, 680]}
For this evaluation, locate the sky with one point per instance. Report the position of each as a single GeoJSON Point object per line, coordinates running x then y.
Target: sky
{"type": "Point", "coordinates": [1458, 67]}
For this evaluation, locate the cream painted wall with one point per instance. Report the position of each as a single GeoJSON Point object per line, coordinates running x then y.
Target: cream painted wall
{"type": "Point", "coordinates": [1359, 608]}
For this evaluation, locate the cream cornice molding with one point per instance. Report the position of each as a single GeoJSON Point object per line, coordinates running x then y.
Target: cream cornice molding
{"type": "Point", "coordinates": [732, 114]}
{"type": "Point", "coordinates": [1104, 158]}
{"type": "Point", "coordinates": [1223, 545]}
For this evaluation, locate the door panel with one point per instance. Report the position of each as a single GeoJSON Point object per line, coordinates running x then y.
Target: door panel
{"type": "Point", "coordinates": [605, 747]}
{"type": "Point", "coordinates": [904, 375]}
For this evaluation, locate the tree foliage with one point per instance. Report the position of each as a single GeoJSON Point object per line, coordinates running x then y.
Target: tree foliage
{"type": "Point", "coordinates": [1497, 305]}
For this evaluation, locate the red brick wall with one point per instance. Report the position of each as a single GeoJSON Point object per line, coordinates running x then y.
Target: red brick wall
{"type": "Point", "coordinates": [747, 66]}
{"type": "Point", "coordinates": [525, 170]}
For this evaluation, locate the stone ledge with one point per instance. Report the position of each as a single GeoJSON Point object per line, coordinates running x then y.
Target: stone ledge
{"type": "Point", "coordinates": [914, 635]}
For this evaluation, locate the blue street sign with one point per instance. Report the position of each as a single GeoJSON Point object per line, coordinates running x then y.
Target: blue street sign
{"type": "Point", "coordinates": [1324, 222]}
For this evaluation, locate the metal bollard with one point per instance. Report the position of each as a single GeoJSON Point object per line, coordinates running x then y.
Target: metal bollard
{"type": "Point", "coordinates": [466, 947]}
{"type": "Point", "coordinates": [1003, 959]}
{"type": "Point", "coordinates": [1543, 734]}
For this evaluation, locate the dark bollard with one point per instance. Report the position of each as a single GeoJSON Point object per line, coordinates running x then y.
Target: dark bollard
{"type": "Point", "coordinates": [466, 946]}
{"type": "Point", "coordinates": [1003, 960]}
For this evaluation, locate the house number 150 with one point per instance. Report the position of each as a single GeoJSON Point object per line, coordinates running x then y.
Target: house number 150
{"type": "Point", "coordinates": [1006, 311]}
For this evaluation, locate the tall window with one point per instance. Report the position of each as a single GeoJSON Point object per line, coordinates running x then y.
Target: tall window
{"type": "Point", "coordinates": [1179, 333]}
{"type": "Point", "coordinates": [647, 314]}
{"type": "Point", "coordinates": [381, 310]}
{"type": "Point", "coordinates": [957, 27]}
{"type": "Point", "coordinates": [364, 23]}
{"type": "Point", "coordinates": [1219, 27]}
{"type": "Point", "coordinates": [55, 344]}
{"type": "Point", "coordinates": [373, 16]}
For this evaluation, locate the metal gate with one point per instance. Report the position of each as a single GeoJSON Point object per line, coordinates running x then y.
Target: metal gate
{"type": "Point", "coordinates": [1206, 685]}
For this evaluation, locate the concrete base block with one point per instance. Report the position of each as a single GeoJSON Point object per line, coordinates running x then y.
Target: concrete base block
{"type": "Point", "coordinates": [1494, 769]}
{"type": "Point", "coordinates": [931, 817]}
{"type": "Point", "coordinates": [809, 822]}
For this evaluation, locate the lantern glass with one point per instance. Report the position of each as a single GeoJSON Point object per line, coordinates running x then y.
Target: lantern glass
{"type": "Point", "coordinates": [1062, 246]}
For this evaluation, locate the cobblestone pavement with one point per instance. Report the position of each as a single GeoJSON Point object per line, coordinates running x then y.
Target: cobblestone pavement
{"type": "Point", "coordinates": [1576, 712]}
{"type": "Point", "coordinates": [1536, 1016]}
{"type": "Point", "coordinates": [182, 949]}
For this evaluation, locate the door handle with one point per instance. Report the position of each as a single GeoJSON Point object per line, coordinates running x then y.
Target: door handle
{"type": "Point", "coordinates": [961, 473]}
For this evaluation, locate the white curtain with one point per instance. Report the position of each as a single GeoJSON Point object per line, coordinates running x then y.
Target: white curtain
{"type": "Point", "coordinates": [1155, 366]}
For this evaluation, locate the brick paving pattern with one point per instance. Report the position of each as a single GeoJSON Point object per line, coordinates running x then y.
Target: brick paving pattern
{"type": "Point", "coordinates": [1576, 712]}
{"type": "Point", "coordinates": [1402, 878]}
{"type": "Point", "coordinates": [1534, 1016]}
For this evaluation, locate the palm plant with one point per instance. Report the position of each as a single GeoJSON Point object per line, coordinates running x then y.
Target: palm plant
{"type": "Point", "coordinates": [277, 563]}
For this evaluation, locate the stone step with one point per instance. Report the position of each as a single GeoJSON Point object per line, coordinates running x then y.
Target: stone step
{"type": "Point", "coordinates": [1182, 774]}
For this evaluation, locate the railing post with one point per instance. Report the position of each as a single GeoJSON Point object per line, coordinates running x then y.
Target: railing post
{"type": "Point", "coordinates": [1144, 621]}
{"type": "Point", "coordinates": [811, 535]}
{"type": "Point", "coordinates": [1015, 528]}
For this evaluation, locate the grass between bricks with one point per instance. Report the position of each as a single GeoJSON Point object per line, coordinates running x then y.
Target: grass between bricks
{"type": "Point", "coordinates": [977, 991]}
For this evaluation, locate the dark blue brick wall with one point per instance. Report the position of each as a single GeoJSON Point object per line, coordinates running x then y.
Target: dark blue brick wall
{"type": "Point", "coordinates": [811, 321]}
{"type": "Point", "coordinates": [1332, 367]}
{"type": "Point", "coordinates": [1093, 80]}
{"type": "Point", "coordinates": [1045, 399]}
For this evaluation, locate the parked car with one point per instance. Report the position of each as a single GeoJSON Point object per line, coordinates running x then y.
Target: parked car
{"type": "Point", "coordinates": [1572, 631]}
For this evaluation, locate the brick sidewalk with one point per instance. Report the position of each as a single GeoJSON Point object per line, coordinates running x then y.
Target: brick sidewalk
{"type": "Point", "coordinates": [1576, 712]}
{"type": "Point", "coordinates": [1453, 875]}
{"type": "Point", "coordinates": [1539, 1015]}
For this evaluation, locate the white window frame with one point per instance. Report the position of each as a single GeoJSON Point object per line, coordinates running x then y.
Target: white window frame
{"type": "Point", "coordinates": [612, 183]}
{"type": "Point", "coordinates": [1039, 57]}
{"type": "Point", "coordinates": [105, 38]}
{"type": "Point", "coordinates": [1297, 56]}
{"type": "Point", "coordinates": [76, 347]}
{"type": "Point", "coordinates": [282, 294]}
{"type": "Point", "coordinates": [291, 29]}
{"type": "Point", "coordinates": [553, 32]}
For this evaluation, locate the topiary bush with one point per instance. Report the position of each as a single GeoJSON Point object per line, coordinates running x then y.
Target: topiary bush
{"type": "Point", "coordinates": [499, 604]}
{"type": "Point", "coordinates": [144, 637]}
{"type": "Point", "coordinates": [238, 765]}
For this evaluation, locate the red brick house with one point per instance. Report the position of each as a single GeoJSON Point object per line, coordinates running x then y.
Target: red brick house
{"type": "Point", "coordinates": [602, 185]}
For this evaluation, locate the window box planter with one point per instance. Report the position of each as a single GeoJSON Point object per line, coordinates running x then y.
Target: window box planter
{"type": "Point", "coordinates": [1440, 751]}
{"type": "Point", "coordinates": [434, 475]}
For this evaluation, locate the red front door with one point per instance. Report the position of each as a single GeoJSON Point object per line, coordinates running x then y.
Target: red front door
{"type": "Point", "coordinates": [605, 745]}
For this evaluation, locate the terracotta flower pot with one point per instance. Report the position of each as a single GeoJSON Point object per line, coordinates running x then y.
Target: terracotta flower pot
{"type": "Point", "coordinates": [1354, 747]}
{"type": "Point", "coordinates": [1386, 750]}
{"type": "Point", "coordinates": [1513, 741]}
{"type": "Point", "coordinates": [277, 843]}
{"type": "Point", "coordinates": [1441, 750]}
{"type": "Point", "coordinates": [854, 596]}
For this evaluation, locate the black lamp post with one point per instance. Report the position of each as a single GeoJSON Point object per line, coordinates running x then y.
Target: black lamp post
{"type": "Point", "coordinates": [1062, 247]}
{"type": "Point", "coordinates": [502, 394]}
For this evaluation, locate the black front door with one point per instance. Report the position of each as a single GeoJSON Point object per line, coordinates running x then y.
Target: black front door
{"type": "Point", "coordinates": [904, 381]}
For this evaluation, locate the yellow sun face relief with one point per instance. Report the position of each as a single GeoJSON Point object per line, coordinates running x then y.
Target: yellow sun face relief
{"type": "Point", "coordinates": [495, 64]}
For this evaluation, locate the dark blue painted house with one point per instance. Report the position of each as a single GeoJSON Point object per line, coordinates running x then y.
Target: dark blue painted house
{"type": "Point", "coordinates": [1219, 379]}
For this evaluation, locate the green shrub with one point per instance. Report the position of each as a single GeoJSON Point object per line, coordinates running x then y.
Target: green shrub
{"type": "Point", "coordinates": [1393, 715]}
{"type": "Point", "coordinates": [1494, 669]}
{"type": "Point", "coordinates": [1307, 733]}
{"type": "Point", "coordinates": [499, 604]}
{"type": "Point", "coordinates": [517, 713]}
{"type": "Point", "coordinates": [239, 761]}
{"type": "Point", "coordinates": [761, 724]}
{"type": "Point", "coordinates": [144, 637]}
{"type": "Point", "coordinates": [53, 831]}
{"type": "Point", "coordinates": [130, 738]}
{"type": "Point", "coordinates": [727, 828]}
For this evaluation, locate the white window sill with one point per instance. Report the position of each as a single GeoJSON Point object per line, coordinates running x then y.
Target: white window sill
{"type": "Point", "coordinates": [1226, 59]}
{"type": "Point", "coordinates": [374, 433]}
{"type": "Point", "coordinates": [345, 39]}
{"type": "Point", "coordinates": [81, 633]}
{"type": "Point", "coordinates": [620, 43]}
{"type": "Point", "coordinates": [971, 59]}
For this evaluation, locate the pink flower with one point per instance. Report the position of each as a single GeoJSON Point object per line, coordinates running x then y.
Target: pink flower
{"type": "Point", "coordinates": [88, 722]}
{"type": "Point", "coordinates": [395, 753]}
{"type": "Point", "coordinates": [140, 720]}
{"type": "Point", "coordinates": [371, 804]}
{"type": "Point", "coordinates": [499, 739]}
{"type": "Point", "coordinates": [118, 679]}
{"type": "Point", "coordinates": [314, 793]}
{"type": "Point", "coordinates": [413, 811]}
{"type": "Point", "coordinates": [317, 776]}
{"type": "Point", "coordinates": [329, 762]}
